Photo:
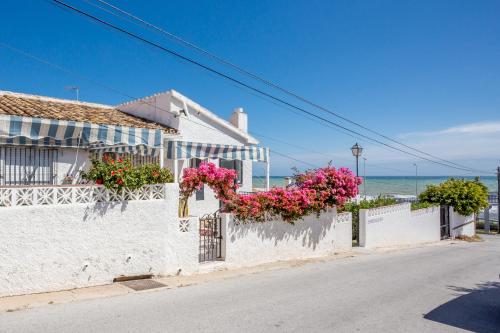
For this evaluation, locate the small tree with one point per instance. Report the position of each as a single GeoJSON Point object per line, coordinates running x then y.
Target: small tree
{"type": "Point", "coordinates": [466, 196]}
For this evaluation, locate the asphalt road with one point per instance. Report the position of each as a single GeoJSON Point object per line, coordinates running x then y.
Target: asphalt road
{"type": "Point", "coordinates": [431, 289]}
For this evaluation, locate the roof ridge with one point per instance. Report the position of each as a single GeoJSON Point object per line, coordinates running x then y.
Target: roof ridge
{"type": "Point", "coordinates": [143, 98]}
{"type": "Point", "coordinates": [53, 99]}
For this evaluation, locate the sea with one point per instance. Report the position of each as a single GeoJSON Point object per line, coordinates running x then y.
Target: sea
{"type": "Point", "coordinates": [376, 185]}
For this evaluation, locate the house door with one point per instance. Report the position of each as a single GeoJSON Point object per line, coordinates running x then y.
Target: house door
{"type": "Point", "coordinates": [445, 221]}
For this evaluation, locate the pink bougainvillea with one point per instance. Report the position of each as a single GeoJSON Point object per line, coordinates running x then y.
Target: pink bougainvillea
{"type": "Point", "coordinates": [221, 180]}
{"type": "Point", "coordinates": [312, 192]}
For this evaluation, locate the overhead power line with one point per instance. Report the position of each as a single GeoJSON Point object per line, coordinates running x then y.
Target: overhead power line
{"type": "Point", "coordinates": [232, 79]}
{"type": "Point", "coordinates": [73, 73]}
{"type": "Point", "coordinates": [131, 97]}
{"type": "Point", "coordinates": [259, 78]}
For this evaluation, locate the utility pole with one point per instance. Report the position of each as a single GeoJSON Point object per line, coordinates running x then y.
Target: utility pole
{"type": "Point", "coordinates": [498, 198]}
{"type": "Point", "coordinates": [416, 180]}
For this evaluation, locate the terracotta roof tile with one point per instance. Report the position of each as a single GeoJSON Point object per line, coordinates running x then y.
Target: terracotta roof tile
{"type": "Point", "coordinates": [51, 108]}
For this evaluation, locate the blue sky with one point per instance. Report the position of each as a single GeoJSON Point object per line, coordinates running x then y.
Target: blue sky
{"type": "Point", "coordinates": [424, 72]}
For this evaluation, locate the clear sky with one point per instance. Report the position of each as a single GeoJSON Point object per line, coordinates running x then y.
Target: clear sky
{"type": "Point", "coordinates": [424, 72]}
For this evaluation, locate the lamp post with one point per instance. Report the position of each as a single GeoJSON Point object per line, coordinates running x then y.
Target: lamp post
{"type": "Point", "coordinates": [356, 151]}
{"type": "Point", "coordinates": [416, 180]}
{"type": "Point", "coordinates": [364, 176]}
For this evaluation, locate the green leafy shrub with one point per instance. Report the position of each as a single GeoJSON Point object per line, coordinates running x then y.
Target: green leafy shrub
{"type": "Point", "coordinates": [421, 205]}
{"type": "Point", "coordinates": [118, 174]}
{"type": "Point", "coordinates": [354, 208]}
{"type": "Point", "coordinates": [466, 196]}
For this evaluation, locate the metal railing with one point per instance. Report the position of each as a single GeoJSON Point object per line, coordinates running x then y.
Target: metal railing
{"type": "Point", "coordinates": [27, 166]}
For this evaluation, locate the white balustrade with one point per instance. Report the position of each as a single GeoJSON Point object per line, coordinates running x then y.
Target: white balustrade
{"type": "Point", "coordinates": [64, 195]}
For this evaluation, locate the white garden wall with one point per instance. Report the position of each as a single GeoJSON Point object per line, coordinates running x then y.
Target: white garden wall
{"type": "Point", "coordinates": [461, 225]}
{"type": "Point", "coordinates": [62, 246]}
{"type": "Point", "coordinates": [65, 237]}
{"type": "Point", "coordinates": [248, 244]}
{"type": "Point", "coordinates": [398, 225]}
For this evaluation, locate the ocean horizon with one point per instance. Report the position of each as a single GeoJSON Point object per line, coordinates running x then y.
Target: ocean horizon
{"type": "Point", "coordinates": [375, 185]}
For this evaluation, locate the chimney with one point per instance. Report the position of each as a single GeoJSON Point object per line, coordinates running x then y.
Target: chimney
{"type": "Point", "coordinates": [239, 119]}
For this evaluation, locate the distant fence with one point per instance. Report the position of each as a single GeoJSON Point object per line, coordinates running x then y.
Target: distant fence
{"type": "Point", "coordinates": [493, 198]}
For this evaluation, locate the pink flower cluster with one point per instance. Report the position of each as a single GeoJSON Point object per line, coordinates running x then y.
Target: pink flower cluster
{"type": "Point", "coordinates": [313, 192]}
{"type": "Point", "coordinates": [221, 180]}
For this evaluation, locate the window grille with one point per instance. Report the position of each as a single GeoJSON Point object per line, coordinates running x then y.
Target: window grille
{"type": "Point", "coordinates": [195, 163]}
{"type": "Point", "coordinates": [236, 165]}
{"type": "Point", "coordinates": [138, 160]}
{"type": "Point", "coordinates": [28, 166]}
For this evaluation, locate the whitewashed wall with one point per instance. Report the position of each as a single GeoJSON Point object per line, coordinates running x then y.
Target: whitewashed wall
{"type": "Point", "coordinates": [461, 225]}
{"type": "Point", "coordinates": [343, 231]}
{"type": "Point", "coordinates": [398, 225]}
{"type": "Point", "coordinates": [71, 162]}
{"type": "Point", "coordinates": [55, 247]}
{"type": "Point", "coordinates": [248, 244]}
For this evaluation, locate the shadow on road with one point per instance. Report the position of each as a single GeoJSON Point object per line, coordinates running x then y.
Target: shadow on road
{"type": "Point", "coordinates": [477, 310]}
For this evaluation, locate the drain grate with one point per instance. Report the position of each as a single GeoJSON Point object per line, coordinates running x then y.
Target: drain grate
{"type": "Point", "coordinates": [145, 284]}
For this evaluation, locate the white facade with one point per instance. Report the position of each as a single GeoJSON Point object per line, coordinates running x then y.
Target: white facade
{"type": "Point", "coordinates": [71, 162]}
{"type": "Point", "coordinates": [398, 225]}
{"type": "Point", "coordinates": [63, 246]}
{"type": "Point", "coordinates": [57, 238]}
{"type": "Point", "coordinates": [196, 124]}
{"type": "Point", "coordinates": [250, 244]}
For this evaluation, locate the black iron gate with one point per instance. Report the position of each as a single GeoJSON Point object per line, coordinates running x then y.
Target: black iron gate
{"type": "Point", "coordinates": [445, 221]}
{"type": "Point", "coordinates": [210, 237]}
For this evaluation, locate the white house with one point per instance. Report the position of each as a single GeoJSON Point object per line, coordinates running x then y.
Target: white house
{"type": "Point", "coordinates": [48, 141]}
{"type": "Point", "coordinates": [44, 140]}
{"type": "Point", "coordinates": [202, 135]}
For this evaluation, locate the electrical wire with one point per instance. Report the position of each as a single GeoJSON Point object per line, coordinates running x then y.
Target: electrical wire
{"type": "Point", "coordinates": [205, 67]}
{"type": "Point", "coordinates": [85, 78]}
{"type": "Point", "coordinates": [259, 78]}
{"type": "Point", "coordinates": [129, 96]}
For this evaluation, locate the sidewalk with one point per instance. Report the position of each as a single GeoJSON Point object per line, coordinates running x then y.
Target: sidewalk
{"type": "Point", "coordinates": [214, 271]}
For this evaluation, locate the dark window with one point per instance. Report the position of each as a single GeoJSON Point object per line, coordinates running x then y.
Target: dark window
{"type": "Point", "coordinates": [136, 160]}
{"type": "Point", "coordinates": [27, 166]}
{"type": "Point", "coordinates": [195, 163]}
{"type": "Point", "coordinates": [234, 165]}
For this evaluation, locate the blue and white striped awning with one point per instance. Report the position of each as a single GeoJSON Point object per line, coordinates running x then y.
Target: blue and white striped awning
{"type": "Point", "coordinates": [142, 150]}
{"type": "Point", "coordinates": [16, 130]}
{"type": "Point", "coordinates": [179, 150]}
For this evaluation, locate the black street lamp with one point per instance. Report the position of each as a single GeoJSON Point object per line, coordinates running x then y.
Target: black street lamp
{"type": "Point", "coordinates": [356, 151]}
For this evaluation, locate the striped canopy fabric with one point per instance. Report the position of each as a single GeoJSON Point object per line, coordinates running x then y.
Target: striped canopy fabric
{"type": "Point", "coordinates": [179, 150]}
{"type": "Point", "coordinates": [142, 150]}
{"type": "Point", "coordinates": [16, 130]}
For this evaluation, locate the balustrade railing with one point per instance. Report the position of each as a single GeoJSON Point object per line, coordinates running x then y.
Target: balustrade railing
{"type": "Point", "coordinates": [63, 195]}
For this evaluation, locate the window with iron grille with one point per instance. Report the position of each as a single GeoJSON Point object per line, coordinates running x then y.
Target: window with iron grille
{"type": "Point", "coordinates": [236, 165]}
{"type": "Point", "coordinates": [138, 160]}
{"type": "Point", "coordinates": [195, 163]}
{"type": "Point", "coordinates": [28, 166]}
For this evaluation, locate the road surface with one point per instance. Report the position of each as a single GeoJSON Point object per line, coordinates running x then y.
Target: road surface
{"type": "Point", "coordinates": [445, 288]}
